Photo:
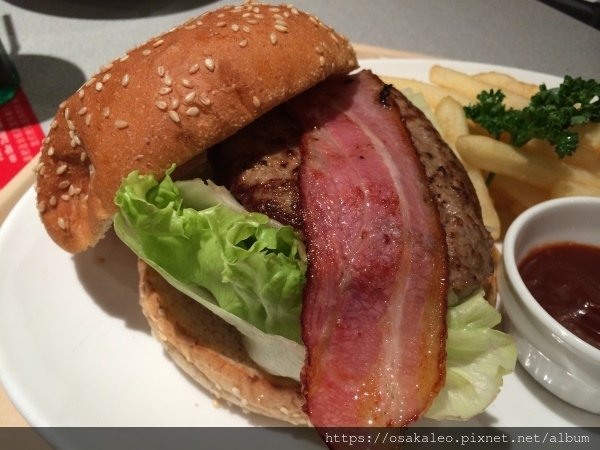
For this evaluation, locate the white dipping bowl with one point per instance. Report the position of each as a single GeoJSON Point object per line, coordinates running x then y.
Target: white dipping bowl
{"type": "Point", "coordinates": [559, 360]}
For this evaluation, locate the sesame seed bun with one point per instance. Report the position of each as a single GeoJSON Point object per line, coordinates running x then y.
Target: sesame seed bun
{"type": "Point", "coordinates": [171, 98]}
{"type": "Point", "coordinates": [211, 352]}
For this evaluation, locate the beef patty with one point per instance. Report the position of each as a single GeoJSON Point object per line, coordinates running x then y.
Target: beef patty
{"type": "Point", "coordinates": [259, 165]}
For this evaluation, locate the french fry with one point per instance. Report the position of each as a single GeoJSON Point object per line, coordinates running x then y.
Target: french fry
{"type": "Point", "coordinates": [494, 156]}
{"type": "Point", "coordinates": [507, 83]}
{"type": "Point", "coordinates": [432, 94]}
{"type": "Point", "coordinates": [520, 195]}
{"type": "Point", "coordinates": [570, 188]}
{"type": "Point", "coordinates": [451, 119]}
{"type": "Point", "coordinates": [469, 86]}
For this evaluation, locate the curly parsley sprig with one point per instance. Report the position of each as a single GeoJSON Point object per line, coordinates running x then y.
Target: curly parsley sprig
{"type": "Point", "coordinates": [550, 114]}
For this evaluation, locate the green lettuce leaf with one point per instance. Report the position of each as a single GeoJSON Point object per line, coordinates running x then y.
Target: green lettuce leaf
{"type": "Point", "coordinates": [478, 356]}
{"type": "Point", "coordinates": [238, 264]}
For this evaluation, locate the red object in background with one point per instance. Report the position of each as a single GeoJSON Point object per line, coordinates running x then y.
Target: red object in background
{"type": "Point", "coordinates": [20, 136]}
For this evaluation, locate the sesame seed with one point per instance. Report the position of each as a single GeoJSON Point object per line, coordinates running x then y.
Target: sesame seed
{"type": "Point", "coordinates": [71, 125]}
{"type": "Point", "coordinates": [281, 28]}
{"type": "Point", "coordinates": [274, 9]}
{"type": "Point", "coordinates": [246, 29]}
{"type": "Point", "coordinates": [278, 16]}
{"type": "Point", "coordinates": [221, 24]}
{"type": "Point", "coordinates": [205, 100]}
{"type": "Point", "coordinates": [62, 104]}
{"type": "Point", "coordinates": [52, 201]}
{"type": "Point", "coordinates": [73, 143]}
{"type": "Point", "coordinates": [174, 116]}
{"type": "Point", "coordinates": [189, 98]}
{"type": "Point", "coordinates": [168, 80]}
{"type": "Point", "coordinates": [54, 124]}
{"type": "Point", "coordinates": [88, 119]}
{"type": "Point", "coordinates": [246, 14]}
{"type": "Point", "coordinates": [74, 190]}
{"type": "Point", "coordinates": [62, 224]}
{"type": "Point", "coordinates": [252, 21]}
{"type": "Point", "coordinates": [82, 111]}
{"type": "Point", "coordinates": [121, 124]}
{"type": "Point", "coordinates": [105, 112]}
{"type": "Point", "coordinates": [210, 64]}
{"type": "Point", "coordinates": [273, 38]}
{"type": "Point", "coordinates": [235, 391]}
{"type": "Point", "coordinates": [83, 156]}
{"type": "Point", "coordinates": [161, 71]}
{"type": "Point", "coordinates": [243, 43]}
{"type": "Point", "coordinates": [294, 11]}
{"type": "Point", "coordinates": [165, 90]}
{"type": "Point", "coordinates": [50, 151]}
{"type": "Point", "coordinates": [192, 112]}
{"type": "Point", "coordinates": [174, 103]}
{"type": "Point", "coordinates": [99, 86]}
{"type": "Point", "coordinates": [89, 82]}
{"type": "Point", "coordinates": [256, 10]}
{"type": "Point", "coordinates": [106, 67]}
{"type": "Point", "coordinates": [221, 15]}
{"type": "Point", "coordinates": [321, 61]}
{"type": "Point", "coordinates": [158, 43]}
{"type": "Point", "coordinates": [146, 52]}
{"type": "Point", "coordinates": [42, 207]}
{"type": "Point", "coordinates": [67, 113]}
{"type": "Point", "coordinates": [64, 184]}
{"type": "Point", "coordinates": [65, 197]}
{"type": "Point", "coordinates": [81, 94]}
{"type": "Point", "coordinates": [235, 27]}
{"type": "Point", "coordinates": [187, 83]}
{"type": "Point", "coordinates": [62, 168]}
{"type": "Point", "coordinates": [106, 77]}
{"type": "Point", "coordinates": [194, 68]}
{"type": "Point", "coordinates": [125, 80]}
{"type": "Point", "coordinates": [256, 101]}
{"type": "Point", "coordinates": [281, 22]}
{"type": "Point", "coordinates": [161, 105]}
{"type": "Point", "coordinates": [38, 167]}
{"type": "Point", "coordinates": [124, 58]}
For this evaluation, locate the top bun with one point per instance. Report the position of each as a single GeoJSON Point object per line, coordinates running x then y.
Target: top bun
{"type": "Point", "coordinates": [171, 98]}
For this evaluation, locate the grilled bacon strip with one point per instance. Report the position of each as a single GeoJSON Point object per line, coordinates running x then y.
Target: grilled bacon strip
{"type": "Point", "coordinates": [376, 295]}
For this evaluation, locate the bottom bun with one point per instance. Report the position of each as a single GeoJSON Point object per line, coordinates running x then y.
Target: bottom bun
{"type": "Point", "coordinates": [211, 352]}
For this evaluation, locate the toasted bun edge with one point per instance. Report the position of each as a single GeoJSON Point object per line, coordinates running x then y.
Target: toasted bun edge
{"type": "Point", "coordinates": [211, 352]}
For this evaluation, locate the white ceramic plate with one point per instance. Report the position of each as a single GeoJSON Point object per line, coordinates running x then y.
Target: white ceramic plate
{"type": "Point", "coordinates": [76, 351]}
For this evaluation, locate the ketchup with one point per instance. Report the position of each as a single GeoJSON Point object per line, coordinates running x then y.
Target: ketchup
{"type": "Point", "coordinates": [564, 278]}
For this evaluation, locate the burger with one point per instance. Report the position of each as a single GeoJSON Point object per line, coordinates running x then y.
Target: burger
{"type": "Point", "coordinates": [309, 247]}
